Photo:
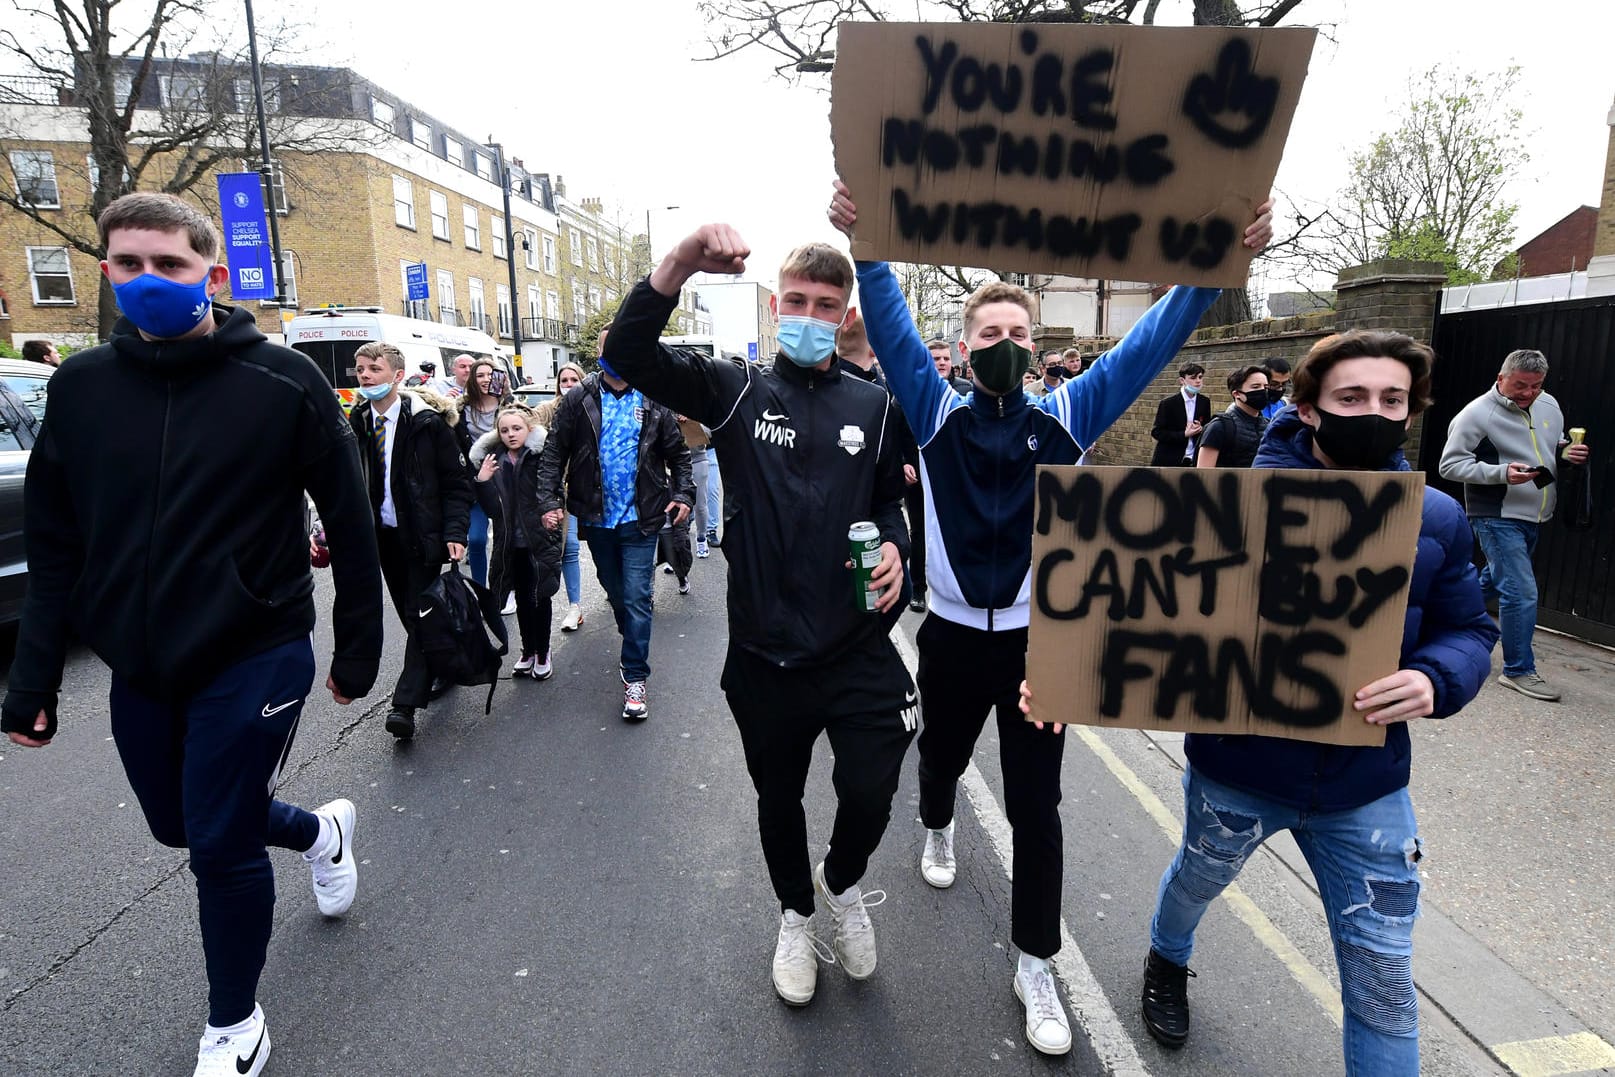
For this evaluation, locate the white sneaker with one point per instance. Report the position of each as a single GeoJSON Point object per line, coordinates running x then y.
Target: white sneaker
{"type": "Point", "coordinates": [510, 604]}
{"type": "Point", "coordinates": [855, 935]}
{"type": "Point", "coordinates": [796, 959]}
{"type": "Point", "coordinates": [574, 617]}
{"type": "Point", "coordinates": [542, 670]}
{"type": "Point", "coordinates": [336, 876]}
{"type": "Point", "coordinates": [524, 665]}
{"type": "Point", "coordinates": [937, 865]}
{"type": "Point", "coordinates": [684, 586]}
{"type": "Point", "coordinates": [702, 550]}
{"type": "Point", "coordinates": [241, 1053]}
{"type": "Point", "coordinates": [1047, 1028]}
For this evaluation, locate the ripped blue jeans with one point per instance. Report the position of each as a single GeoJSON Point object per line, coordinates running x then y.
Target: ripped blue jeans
{"type": "Point", "coordinates": [1366, 863]}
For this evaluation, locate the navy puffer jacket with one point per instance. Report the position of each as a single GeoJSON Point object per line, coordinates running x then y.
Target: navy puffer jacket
{"type": "Point", "coordinates": [1447, 636]}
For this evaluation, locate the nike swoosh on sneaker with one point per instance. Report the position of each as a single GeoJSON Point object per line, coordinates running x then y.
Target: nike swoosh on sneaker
{"type": "Point", "coordinates": [244, 1065]}
{"type": "Point", "coordinates": [270, 711]}
{"type": "Point", "coordinates": [337, 859]}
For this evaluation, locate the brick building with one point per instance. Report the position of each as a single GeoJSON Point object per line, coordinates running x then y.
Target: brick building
{"type": "Point", "coordinates": [1563, 247]}
{"type": "Point", "coordinates": [398, 187]}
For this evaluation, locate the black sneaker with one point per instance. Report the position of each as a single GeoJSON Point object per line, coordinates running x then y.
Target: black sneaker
{"type": "Point", "coordinates": [712, 538]}
{"type": "Point", "coordinates": [918, 605]}
{"type": "Point", "coordinates": [1166, 1001]}
{"type": "Point", "coordinates": [401, 722]}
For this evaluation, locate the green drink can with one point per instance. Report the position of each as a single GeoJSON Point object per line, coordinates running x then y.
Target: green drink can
{"type": "Point", "coordinates": [864, 538]}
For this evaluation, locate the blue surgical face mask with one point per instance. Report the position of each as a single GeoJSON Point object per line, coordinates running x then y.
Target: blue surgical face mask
{"type": "Point", "coordinates": [163, 308]}
{"type": "Point", "coordinates": [806, 341]}
{"type": "Point", "coordinates": [1192, 390]}
{"type": "Point", "coordinates": [374, 393]}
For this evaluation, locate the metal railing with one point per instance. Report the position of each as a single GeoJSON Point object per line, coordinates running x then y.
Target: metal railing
{"type": "Point", "coordinates": [448, 316]}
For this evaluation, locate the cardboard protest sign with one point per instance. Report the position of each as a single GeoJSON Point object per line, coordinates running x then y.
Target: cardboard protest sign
{"type": "Point", "coordinates": [1221, 600]}
{"type": "Point", "coordinates": [1116, 152]}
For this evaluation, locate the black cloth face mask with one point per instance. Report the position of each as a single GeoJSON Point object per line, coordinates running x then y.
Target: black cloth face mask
{"type": "Point", "coordinates": [1359, 442]}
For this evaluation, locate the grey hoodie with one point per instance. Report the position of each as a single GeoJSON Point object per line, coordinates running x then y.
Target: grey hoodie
{"type": "Point", "coordinates": [1493, 432]}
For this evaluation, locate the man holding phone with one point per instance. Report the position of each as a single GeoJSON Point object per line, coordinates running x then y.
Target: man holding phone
{"type": "Point", "coordinates": [1504, 448]}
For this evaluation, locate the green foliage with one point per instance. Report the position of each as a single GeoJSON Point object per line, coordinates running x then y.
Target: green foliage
{"type": "Point", "coordinates": [587, 353]}
{"type": "Point", "coordinates": [1437, 186]}
{"type": "Point", "coordinates": [8, 352]}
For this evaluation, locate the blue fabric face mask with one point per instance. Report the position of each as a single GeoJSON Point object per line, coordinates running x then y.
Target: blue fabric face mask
{"type": "Point", "coordinates": [806, 341]}
{"type": "Point", "coordinates": [163, 308]}
{"type": "Point", "coordinates": [374, 393]}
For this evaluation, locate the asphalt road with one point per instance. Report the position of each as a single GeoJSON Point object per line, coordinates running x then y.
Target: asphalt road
{"type": "Point", "coordinates": [548, 890]}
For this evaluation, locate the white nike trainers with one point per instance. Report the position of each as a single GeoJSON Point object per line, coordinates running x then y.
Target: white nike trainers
{"type": "Point", "coordinates": [336, 876]}
{"type": "Point", "coordinates": [524, 665]}
{"type": "Point", "coordinates": [796, 959]}
{"type": "Point", "coordinates": [542, 669]}
{"type": "Point", "coordinates": [855, 935]}
{"type": "Point", "coordinates": [510, 605]}
{"type": "Point", "coordinates": [238, 1052]}
{"type": "Point", "coordinates": [937, 865]}
{"type": "Point", "coordinates": [573, 618]}
{"type": "Point", "coordinates": [1047, 1027]}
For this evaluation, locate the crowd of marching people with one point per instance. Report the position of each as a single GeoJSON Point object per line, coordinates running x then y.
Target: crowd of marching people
{"type": "Point", "coordinates": [929, 444]}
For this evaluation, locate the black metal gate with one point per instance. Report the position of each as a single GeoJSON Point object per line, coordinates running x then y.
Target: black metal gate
{"type": "Point", "coordinates": [1575, 570]}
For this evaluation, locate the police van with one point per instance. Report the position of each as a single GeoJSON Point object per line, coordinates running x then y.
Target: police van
{"type": "Point", "coordinates": [331, 335]}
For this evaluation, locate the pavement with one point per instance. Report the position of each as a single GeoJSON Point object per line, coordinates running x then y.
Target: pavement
{"type": "Point", "coordinates": [548, 890]}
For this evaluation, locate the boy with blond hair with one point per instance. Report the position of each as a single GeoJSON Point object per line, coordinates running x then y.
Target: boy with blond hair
{"type": "Point", "coordinates": [978, 455]}
{"type": "Point", "coordinates": [173, 543]}
{"type": "Point", "coordinates": [806, 451]}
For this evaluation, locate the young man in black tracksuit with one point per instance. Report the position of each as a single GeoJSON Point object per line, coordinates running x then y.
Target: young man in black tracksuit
{"type": "Point", "coordinates": [421, 494]}
{"type": "Point", "coordinates": [165, 528]}
{"type": "Point", "coordinates": [626, 470]}
{"type": "Point", "coordinates": [806, 452]}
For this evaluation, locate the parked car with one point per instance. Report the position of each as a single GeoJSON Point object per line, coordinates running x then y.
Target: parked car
{"type": "Point", "coordinates": [22, 409]}
{"type": "Point", "coordinates": [533, 394]}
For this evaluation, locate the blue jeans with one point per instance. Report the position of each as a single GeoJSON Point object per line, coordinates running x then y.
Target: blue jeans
{"type": "Point", "coordinates": [476, 546]}
{"type": "Point", "coordinates": [1509, 578]}
{"type": "Point", "coordinates": [714, 491]}
{"type": "Point", "coordinates": [625, 560]}
{"type": "Point", "coordinates": [1365, 861]}
{"type": "Point", "coordinates": [204, 772]}
{"type": "Point", "coordinates": [569, 562]}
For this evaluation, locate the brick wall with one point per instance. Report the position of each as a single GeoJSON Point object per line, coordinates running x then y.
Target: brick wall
{"type": "Point", "coordinates": [1388, 294]}
{"type": "Point", "coordinates": [1564, 246]}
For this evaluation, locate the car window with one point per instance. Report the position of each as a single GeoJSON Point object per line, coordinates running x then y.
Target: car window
{"type": "Point", "coordinates": [9, 441]}
{"type": "Point", "coordinates": [30, 390]}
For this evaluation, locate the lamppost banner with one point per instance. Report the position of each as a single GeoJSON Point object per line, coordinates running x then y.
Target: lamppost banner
{"type": "Point", "coordinates": [246, 236]}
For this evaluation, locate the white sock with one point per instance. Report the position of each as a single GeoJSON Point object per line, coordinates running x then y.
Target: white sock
{"type": "Point", "coordinates": [323, 844]}
{"type": "Point", "coordinates": [236, 1029]}
{"type": "Point", "coordinates": [1030, 965]}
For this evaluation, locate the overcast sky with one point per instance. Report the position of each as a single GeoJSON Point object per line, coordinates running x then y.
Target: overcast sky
{"type": "Point", "coordinates": [608, 94]}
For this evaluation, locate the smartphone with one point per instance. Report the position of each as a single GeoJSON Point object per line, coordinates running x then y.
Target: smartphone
{"type": "Point", "coordinates": [1541, 476]}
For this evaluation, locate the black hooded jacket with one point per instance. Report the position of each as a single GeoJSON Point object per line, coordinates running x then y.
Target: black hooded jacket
{"type": "Point", "coordinates": [164, 516]}
{"type": "Point", "coordinates": [432, 492]}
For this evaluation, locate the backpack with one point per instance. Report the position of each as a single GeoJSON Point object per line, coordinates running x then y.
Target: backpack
{"type": "Point", "coordinates": [456, 615]}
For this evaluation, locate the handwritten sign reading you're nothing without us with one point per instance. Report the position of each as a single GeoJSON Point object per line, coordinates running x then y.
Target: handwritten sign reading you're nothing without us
{"type": "Point", "coordinates": [1117, 152]}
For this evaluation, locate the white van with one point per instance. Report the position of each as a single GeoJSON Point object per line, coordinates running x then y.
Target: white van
{"type": "Point", "coordinates": [330, 336]}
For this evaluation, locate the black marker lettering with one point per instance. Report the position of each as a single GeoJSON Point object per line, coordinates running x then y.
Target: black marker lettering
{"type": "Point", "coordinates": [1115, 670]}
{"type": "Point", "coordinates": [1077, 504]}
{"type": "Point", "coordinates": [936, 70]}
{"type": "Point", "coordinates": [1090, 90]}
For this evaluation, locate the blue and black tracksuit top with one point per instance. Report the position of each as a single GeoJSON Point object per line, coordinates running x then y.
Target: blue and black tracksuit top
{"type": "Point", "coordinates": [978, 453]}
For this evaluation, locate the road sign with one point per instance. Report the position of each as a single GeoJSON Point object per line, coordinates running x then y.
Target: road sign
{"type": "Point", "coordinates": [415, 281]}
{"type": "Point", "coordinates": [751, 351]}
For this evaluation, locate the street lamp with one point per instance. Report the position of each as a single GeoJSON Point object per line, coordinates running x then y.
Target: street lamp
{"type": "Point", "coordinates": [510, 252]}
{"type": "Point", "coordinates": [267, 171]}
{"type": "Point", "coordinates": [650, 252]}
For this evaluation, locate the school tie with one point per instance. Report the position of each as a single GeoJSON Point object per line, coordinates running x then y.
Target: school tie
{"type": "Point", "coordinates": [378, 437]}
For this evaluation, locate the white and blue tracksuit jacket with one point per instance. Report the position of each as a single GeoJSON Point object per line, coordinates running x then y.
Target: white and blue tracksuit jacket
{"type": "Point", "coordinates": [978, 452]}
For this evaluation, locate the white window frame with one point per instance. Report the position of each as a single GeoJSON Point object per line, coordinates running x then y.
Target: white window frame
{"type": "Point", "coordinates": [594, 254]}
{"type": "Point", "coordinates": [420, 133]}
{"type": "Point", "coordinates": [594, 300]}
{"type": "Point", "coordinates": [383, 115]}
{"type": "Point", "coordinates": [453, 151]}
{"type": "Point", "coordinates": [484, 165]}
{"type": "Point", "coordinates": [532, 247]}
{"type": "Point", "coordinates": [549, 254]}
{"type": "Point", "coordinates": [445, 291]}
{"type": "Point", "coordinates": [33, 277]}
{"type": "Point", "coordinates": [552, 305]}
{"type": "Point", "coordinates": [502, 308]}
{"type": "Point", "coordinates": [37, 156]}
{"type": "Point", "coordinates": [476, 303]}
{"type": "Point", "coordinates": [243, 95]}
{"type": "Point", "coordinates": [496, 234]}
{"type": "Point", "coordinates": [403, 207]}
{"type": "Point", "coordinates": [123, 84]}
{"type": "Point", "coordinates": [437, 199]}
{"type": "Point", "coordinates": [473, 227]}
{"type": "Point", "coordinates": [580, 310]}
{"type": "Point", "coordinates": [166, 94]}
{"type": "Point", "coordinates": [575, 240]}
{"type": "Point", "coordinates": [535, 302]}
